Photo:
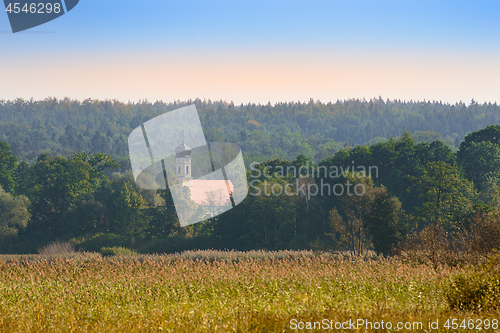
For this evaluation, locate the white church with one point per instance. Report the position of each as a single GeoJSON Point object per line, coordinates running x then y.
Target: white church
{"type": "Point", "coordinates": [211, 194]}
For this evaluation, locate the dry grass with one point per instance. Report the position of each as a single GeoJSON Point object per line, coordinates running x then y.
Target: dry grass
{"type": "Point", "coordinates": [57, 249]}
{"type": "Point", "coordinates": [215, 292]}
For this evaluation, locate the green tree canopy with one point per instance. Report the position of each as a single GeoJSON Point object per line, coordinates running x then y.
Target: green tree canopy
{"type": "Point", "coordinates": [446, 195]}
{"type": "Point", "coordinates": [55, 183]}
{"type": "Point", "coordinates": [14, 214]}
{"type": "Point", "coordinates": [481, 161]}
{"type": "Point", "coordinates": [382, 222]}
{"type": "Point", "coordinates": [8, 164]}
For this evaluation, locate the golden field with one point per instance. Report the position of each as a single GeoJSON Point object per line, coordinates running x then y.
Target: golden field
{"type": "Point", "coordinates": [211, 291]}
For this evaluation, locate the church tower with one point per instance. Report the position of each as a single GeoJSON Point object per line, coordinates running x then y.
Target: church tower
{"type": "Point", "coordinates": [183, 164]}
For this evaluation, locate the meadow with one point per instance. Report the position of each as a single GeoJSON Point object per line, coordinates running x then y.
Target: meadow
{"type": "Point", "coordinates": [221, 291]}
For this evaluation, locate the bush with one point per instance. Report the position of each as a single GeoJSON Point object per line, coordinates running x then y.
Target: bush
{"type": "Point", "coordinates": [98, 241]}
{"type": "Point", "coordinates": [471, 241]}
{"type": "Point", "coordinates": [176, 243]}
{"type": "Point", "coordinates": [57, 249]}
{"type": "Point", "coordinates": [430, 246]}
{"type": "Point", "coordinates": [477, 291]}
{"type": "Point", "coordinates": [117, 251]}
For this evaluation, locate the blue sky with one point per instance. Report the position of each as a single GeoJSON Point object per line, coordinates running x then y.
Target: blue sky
{"type": "Point", "coordinates": [257, 51]}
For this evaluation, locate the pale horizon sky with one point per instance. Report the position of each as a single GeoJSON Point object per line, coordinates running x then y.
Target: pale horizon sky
{"type": "Point", "coordinates": [258, 51]}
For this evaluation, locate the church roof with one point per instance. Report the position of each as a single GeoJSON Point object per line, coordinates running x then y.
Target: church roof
{"type": "Point", "coordinates": [183, 149]}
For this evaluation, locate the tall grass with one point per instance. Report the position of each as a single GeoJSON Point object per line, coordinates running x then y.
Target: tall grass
{"type": "Point", "coordinates": [215, 292]}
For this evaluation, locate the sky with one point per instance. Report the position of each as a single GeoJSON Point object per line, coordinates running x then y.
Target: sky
{"type": "Point", "coordinates": [258, 51]}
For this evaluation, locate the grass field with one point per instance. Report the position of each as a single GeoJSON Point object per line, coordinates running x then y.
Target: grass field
{"type": "Point", "coordinates": [219, 292]}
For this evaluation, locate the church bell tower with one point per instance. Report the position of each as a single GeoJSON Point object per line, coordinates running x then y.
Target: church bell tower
{"type": "Point", "coordinates": [183, 164]}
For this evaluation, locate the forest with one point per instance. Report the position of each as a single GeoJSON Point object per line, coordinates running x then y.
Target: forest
{"type": "Point", "coordinates": [264, 132]}
{"type": "Point", "coordinates": [65, 177]}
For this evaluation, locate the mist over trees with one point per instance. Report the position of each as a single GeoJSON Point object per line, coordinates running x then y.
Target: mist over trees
{"type": "Point", "coordinates": [284, 130]}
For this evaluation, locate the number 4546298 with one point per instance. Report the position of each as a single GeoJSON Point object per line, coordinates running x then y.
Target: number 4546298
{"type": "Point", "coordinates": [472, 324]}
{"type": "Point", "coordinates": [34, 8]}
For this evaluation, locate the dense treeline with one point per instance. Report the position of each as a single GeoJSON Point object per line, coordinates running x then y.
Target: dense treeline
{"type": "Point", "coordinates": [285, 130]}
{"type": "Point", "coordinates": [390, 196]}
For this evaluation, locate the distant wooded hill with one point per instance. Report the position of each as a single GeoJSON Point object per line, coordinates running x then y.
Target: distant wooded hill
{"type": "Point", "coordinates": [285, 130]}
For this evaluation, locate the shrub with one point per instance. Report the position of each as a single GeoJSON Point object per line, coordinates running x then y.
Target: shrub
{"type": "Point", "coordinates": [105, 240]}
{"type": "Point", "coordinates": [482, 233]}
{"type": "Point", "coordinates": [471, 241]}
{"type": "Point", "coordinates": [477, 291]}
{"type": "Point", "coordinates": [117, 251]}
{"type": "Point", "coordinates": [176, 243]}
{"type": "Point", "coordinates": [430, 246]}
{"type": "Point", "coordinates": [57, 249]}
